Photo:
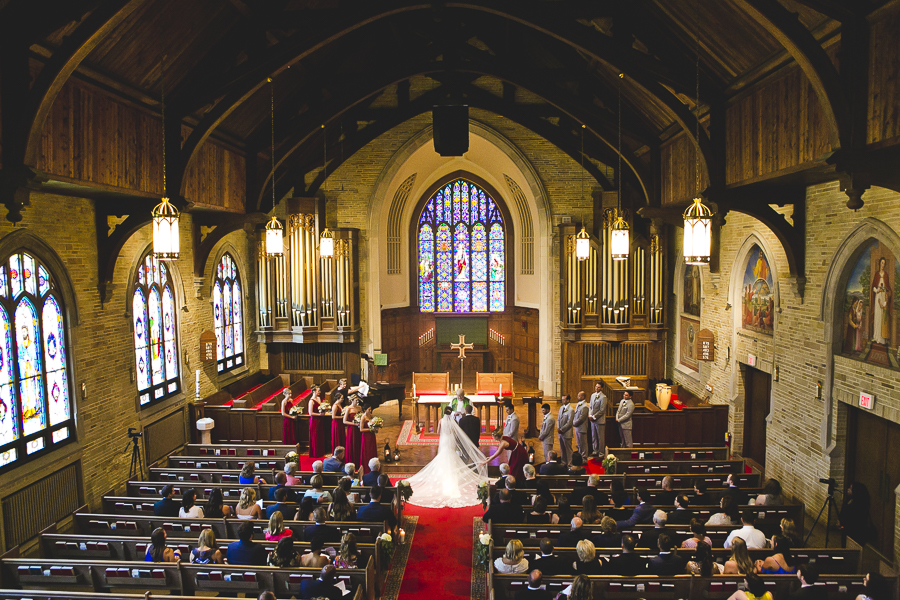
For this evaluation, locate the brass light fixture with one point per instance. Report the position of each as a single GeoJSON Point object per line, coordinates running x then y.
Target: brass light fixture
{"type": "Point", "coordinates": [166, 241]}
{"type": "Point", "coordinates": [619, 244]}
{"type": "Point", "coordinates": [274, 228]}
{"type": "Point", "coordinates": [582, 240]}
{"type": "Point", "coordinates": [326, 244]}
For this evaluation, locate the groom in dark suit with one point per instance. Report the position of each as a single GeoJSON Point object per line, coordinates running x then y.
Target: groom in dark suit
{"type": "Point", "coordinates": [470, 424]}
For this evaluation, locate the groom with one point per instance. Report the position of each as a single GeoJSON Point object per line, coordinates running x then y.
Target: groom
{"type": "Point", "coordinates": [471, 425]}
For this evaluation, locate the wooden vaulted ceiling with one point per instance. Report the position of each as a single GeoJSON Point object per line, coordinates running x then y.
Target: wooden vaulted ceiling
{"type": "Point", "coordinates": [360, 68]}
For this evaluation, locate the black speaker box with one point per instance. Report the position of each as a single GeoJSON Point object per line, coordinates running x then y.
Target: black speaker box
{"type": "Point", "coordinates": [451, 130]}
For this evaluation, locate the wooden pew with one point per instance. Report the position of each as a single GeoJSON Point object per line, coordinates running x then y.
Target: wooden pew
{"type": "Point", "coordinates": [666, 453]}
{"type": "Point", "coordinates": [147, 491]}
{"type": "Point", "coordinates": [220, 463]}
{"type": "Point", "coordinates": [713, 480]}
{"type": "Point", "coordinates": [268, 450]}
{"type": "Point", "coordinates": [64, 595]}
{"type": "Point", "coordinates": [163, 476]}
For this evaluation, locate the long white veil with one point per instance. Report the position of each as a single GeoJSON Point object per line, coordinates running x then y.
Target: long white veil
{"type": "Point", "coordinates": [451, 479]}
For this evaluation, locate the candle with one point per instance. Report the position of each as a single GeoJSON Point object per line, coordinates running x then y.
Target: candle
{"type": "Point", "coordinates": [197, 382]}
{"type": "Point", "coordinates": [402, 536]}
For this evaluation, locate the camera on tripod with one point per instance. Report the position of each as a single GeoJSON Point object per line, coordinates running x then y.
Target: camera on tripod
{"type": "Point", "coordinates": [831, 483]}
{"type": "Point", "coordinates": [134, 433]}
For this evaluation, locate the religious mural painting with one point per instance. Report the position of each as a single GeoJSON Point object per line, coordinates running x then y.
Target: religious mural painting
{"type": "Point", "coordinates": [758, 293]}
{"type": "Point", "coordinates": [688, 343]}
{"type": "Point", "coordinates": [691, 295]}
{"type": "Point", "coordinates": [870, 326]}
{"type": "Point", "coordinates": [689, 324]}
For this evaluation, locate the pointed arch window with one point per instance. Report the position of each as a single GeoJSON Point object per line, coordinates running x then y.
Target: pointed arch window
{"type": "Point", "coordinates": [35, 394]}
{"type": "Point", "coordinates": [228, 316]}
{"type": "Point", "coordinates": [461, 251]}
{"type": "Point", "coordinates": [155, 332]}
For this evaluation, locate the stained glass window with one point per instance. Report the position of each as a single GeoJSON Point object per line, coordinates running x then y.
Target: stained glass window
{"type": "Point", "coordinates": [461, 251]}
{"type": "Point", "coordinates": [35, 397]}
{"type": "Point", "coordinates": [155, 332]}
{"type": "Point", "coordinates": [227, 315]}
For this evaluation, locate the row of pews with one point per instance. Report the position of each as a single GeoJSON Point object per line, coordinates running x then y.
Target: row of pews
{"type": "Point", "coordinates": [101, 555]}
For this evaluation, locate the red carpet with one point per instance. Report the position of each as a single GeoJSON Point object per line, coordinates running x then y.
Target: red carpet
{"type": "Point", "coordinates": [440, 560]}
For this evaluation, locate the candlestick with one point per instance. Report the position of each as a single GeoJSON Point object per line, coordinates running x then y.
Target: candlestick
{"type": "Point", "coordinates": [402, 536]}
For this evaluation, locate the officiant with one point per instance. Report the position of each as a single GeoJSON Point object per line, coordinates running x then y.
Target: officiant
{"type": "Point", "coordinates": [459, 403]}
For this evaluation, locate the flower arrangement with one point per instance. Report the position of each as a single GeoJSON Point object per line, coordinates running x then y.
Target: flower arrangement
{"type": "Point", "coordinates": [357, 419]}
{"type": "Point", "coordinates": [386, 545]}
{"type": "Point", "coordinates": [325, 407]}
{"type": "Point", "coordinates": [405, 489]}
{"type": "Point", "coordinates": [483, 551]}
{"type": "Point", "coordinates": [484, 492]}
{"type": "Point", "coordinates": [376, 423]}
{"type": "Point", "coordinates": [292, 457]}
{"type": "Point", "coordinates": [609, 464]}
{"type": "Point", "coordinates": [297, 409]}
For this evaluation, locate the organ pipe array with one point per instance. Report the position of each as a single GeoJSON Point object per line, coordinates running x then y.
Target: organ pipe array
{"type": "Point", "coordinates": [303, 296]}
{"type": "Point", "coordinates": [606, 293]}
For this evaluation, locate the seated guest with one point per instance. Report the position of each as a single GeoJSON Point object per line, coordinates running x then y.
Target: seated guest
{"type": "Point", "coordinates": [348, 556]}
{"type": "Point", "coordinates": [307, 506]}
{"type": "Point", "coordinates": [548, 563]}
{"type": "Point", "coordinates": [543, 490]}
{"type": "Point", "coordinates": [627, 564]}
{"type": "Point", "coordinates": [281, 506]}
{"type": "Point", "coordinates": [756, 590]}
{"type": "Point", "coordinates": [285, 556]}
{"type": "Point", "coordinates": [781, 562]}
{"type": "Point", "coordinates": [701, 498]}
{"type": "Point", "coordinates": [248, 474]}
{"type": "Point", "coordinates": [808, 575]}
{"type": "Point", "coordinates": [318, 467]}
{"type": "Point", "coordinates": [563, 512]}
{"type": "Point", "coordinates": [703, 563]}
{"type": "Point", "coordinates": [666, 563]}
{"type": "Point", "coordinates": [699, 531]}
{"type": "Point", "coordinates": [591, 489]}
{"type": "Point", "coordinates": [570, 539]}
{"type": "Point", "coordinates": [667, 496]}
{"type": "Point", "coordinates": [317, 487]}
{"type": "Point", "coordinates": [618, 497]}
{"type": "Point", "coordinates": [504, 511]}
{"type": "Point", "coordinates": [189, 508]}
{"type": "Point", "coordinates": [538, 514]}
{"type": "Point", "coordinates": [877, 587]}
{"type": "Point", "coordinates": [504, 473]}
{"type": "Point", "coordinates": [341, 509]}
{"type": "Point", "coordinates": [789, 530]}
{"type": "Point", "coordinates": [589, 513]}
{"type": "Point", "coordinates": [321, 587]}
{"type": "Point", "coordinates": [534, 590]}
{"type": "Point", "coordinates": [750, 534]}
{"type": "Point", "coordinates": [643, 512]}
{"type": "Point", "coordinates": [530, 482]}
{"type": "Point", "coordinates": [513, 559]}
{"type": "Point", "coordinates": [681, 515]}
{"type": "Point", "coordinates": [582, 588]}
{"type": "Point", "coordinates": [371, 478]}
{"type": "Point", "coordinates": [281, 482]}
{"type": "Point", "coordinates": [730, 514]}
{"type": "Point", "coordinates": [732, 489]}
{"type": "Point", "coordinates": [216, 507]}
{"type": "Point", "coordinates": [244, 551]}
{"type": "Point", "coordinates": [320, 529]}
{"type": "Point", "coordinates": [290, 471]}
{"type": "Point", "coordinates": [352, 473]}
{"type": "Point", "coordinates": [335, 462]}
{"type": "Point", "coordinates": [314, 558]}
{"type": "Point", "coordinates": [510, 485]}
{"type": "Point", "coordinates": [167, 507]}
{"type": "Point", "coordinates": [552, 466]}
{"type": "Point", "coordinates": [739, 563]}
{"type": "Point", "coordinates": [609, 537]}
{"type": "Point", "coordinates": [576, 467]}
{"type": "Point", "coordinates": [267, 596]}
{"type": "Point", "coordinates": [375, 511]}
{"type": "Point", "coordinates": [207, 550]}
{"type": "Point", "coordinates": [247, 508]}
{"type": "Point", "coordinates": [586, 561]}
{"type": "Point", "coordinates": [276, 529]}
{"type": "Point", "coordinates": [772, 495]}
{"type": "Point", "coordinates": [650, 537]}
{"type": "Point", "coordinates": [157, 550]}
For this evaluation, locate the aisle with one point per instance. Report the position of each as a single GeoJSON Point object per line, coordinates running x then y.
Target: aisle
{"type": "Point", "coordinates": [440, 560]}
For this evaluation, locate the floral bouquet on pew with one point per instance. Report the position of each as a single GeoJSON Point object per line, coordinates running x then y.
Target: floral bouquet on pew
{"type": "Point", "coordinates": [609, 464]}
{"type": "Point", "coordinates": [484, 492]}
{"type": "Point", "coordinates": [376, 423]}
{"type": "Point", "coordinates": [386, 545]}
{"type": "Point", "coordinates": [483, 551]}
{"type": "Point", "coordinates": [292, 457]}
{"type": "Point", "coordinates": [405, 489]}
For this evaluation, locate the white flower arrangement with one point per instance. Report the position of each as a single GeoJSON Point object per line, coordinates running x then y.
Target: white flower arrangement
{"type": "Point", "coordinates": [386, 537]}
{"type": "Point", "coordinates": [485, 538]}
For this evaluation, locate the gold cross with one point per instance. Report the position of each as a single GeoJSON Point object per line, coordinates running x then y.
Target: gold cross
{"type": "Point", "coordinates": [462, 346]}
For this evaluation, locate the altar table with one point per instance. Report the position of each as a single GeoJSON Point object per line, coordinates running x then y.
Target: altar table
{"type": "Point", "coordinates": [434, 404]}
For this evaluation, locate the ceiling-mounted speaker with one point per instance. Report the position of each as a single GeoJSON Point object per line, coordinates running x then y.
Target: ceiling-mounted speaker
{"type": "Point", "coordinates": [451, 130]}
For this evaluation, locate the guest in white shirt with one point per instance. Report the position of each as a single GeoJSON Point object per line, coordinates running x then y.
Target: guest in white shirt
{"type": "Point", "coordinates": [189, 508]}
{"type": "Point", "coordinates": [750, 534]}
{"type": "Point", "coordinates": [513, 559]}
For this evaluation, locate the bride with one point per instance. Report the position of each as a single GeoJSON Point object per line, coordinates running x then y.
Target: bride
{"type": "Point", "coordinates": [451, 479]}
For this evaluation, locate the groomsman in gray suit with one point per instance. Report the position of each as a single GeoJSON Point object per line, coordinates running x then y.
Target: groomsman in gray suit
{"type": "Point", "coordinates": [597, 415]}
{"type": "Point", "coordinates": [581, 425]}
{"type": "Point", "coordinates": [511, 426]}
{"type": "Point", "coordinates": [623, 418]}
{"type": "Point", "coordinates": [564, 429]}
{"type": "Point", "coordinates": [548, 425]}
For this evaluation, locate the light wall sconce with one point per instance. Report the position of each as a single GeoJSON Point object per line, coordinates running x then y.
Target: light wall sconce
{"type": "Point", "coordinates": [83, 391]}
{"type": "Point", "coordinates": [775, 373]}
{"type": "Point", "coordinates": [728, 353]}
{"type": "Point", "coordinates": [818, 390]}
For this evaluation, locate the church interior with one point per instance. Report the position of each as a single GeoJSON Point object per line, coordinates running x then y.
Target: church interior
{"type": "Point", "coordinates": [218, 210]}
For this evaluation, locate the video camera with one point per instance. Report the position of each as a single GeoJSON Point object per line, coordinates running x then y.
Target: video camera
{"type": "Point", "coordinates": [830, 482]}
{"type": "Point", "coordinates": [134, 433]}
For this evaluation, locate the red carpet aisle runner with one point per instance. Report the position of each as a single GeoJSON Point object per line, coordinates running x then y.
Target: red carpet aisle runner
{"type": "Point", "coordinates": [440, 560]}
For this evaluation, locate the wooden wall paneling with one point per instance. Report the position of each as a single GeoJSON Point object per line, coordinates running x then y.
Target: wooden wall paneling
{"type": "Point", "coordinates": [679, 171]}
{"type": "Point", "coordinates": [884, 78]}
{"type": "Point", "coordinates": [573, 368]}
{"type": "Point", "coordinates": [217, 177]}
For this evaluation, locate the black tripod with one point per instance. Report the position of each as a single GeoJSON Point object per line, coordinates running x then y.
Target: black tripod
{"type": "Point", "coordinates": [136, 464]}
{"type": "Point", "coordinates": [829, 502]}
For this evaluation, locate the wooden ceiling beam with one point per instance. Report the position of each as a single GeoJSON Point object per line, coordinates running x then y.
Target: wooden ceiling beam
{"type": "Point", "coordinates": [839, 10]}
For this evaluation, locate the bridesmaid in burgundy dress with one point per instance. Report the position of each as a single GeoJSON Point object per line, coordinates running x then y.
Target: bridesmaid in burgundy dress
{"type": "Point", "coordinates": [337, 407]}
{"type": "Point", "coordinates": [352, 432]}
{"type": "Point", "coordinates": [316, 442]}
{"type": "Point", "coordinates": [518, 455]}
{"type": "Point", "coordinates": [287, 428]}
{"type": "Point", "coordinates": [369, 446]}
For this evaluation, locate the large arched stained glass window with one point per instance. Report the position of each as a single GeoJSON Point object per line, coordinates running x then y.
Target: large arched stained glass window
{"type": "Point", "coordinates": [35, 398]}
{"type": "Point", "coordinates": [155, 331]}
{"type": "Point", "coordinates": [227, 312]}
{"type": "Point", "coordinates": [461, 251]}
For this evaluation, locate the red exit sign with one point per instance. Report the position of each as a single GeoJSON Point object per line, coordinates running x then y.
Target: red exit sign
{"type": "Point", "coordinates": [866, 401]}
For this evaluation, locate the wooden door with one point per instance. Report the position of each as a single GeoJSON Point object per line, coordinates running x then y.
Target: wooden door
{"type": "Point", "coordinates": [756, 407]}
{"type": "Point", "coordinates": [874, 444]}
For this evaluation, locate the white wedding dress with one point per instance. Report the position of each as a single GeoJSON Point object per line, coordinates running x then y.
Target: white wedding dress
{"type": "Point", "coordinates": [451, 479]}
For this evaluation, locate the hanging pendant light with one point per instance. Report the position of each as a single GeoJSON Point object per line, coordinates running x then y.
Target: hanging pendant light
{"type": "Point", "coordinates": [166, 241]}
{"type": "Point", "coordinates": [582, 239]}
{"type": "Point", "coordinates": [697, 244]}
{"type": "Point", "coordinates": [326, 244]}
{"type": "Point", "coordinates": [620, 242]}
{"type": "Point", "coordinates": [274, 228]}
